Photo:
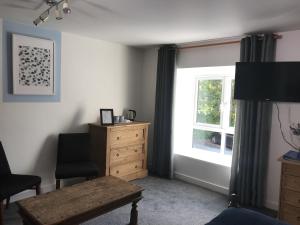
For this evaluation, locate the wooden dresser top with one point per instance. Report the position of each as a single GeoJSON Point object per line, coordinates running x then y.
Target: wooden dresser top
{"type": "Point", "coordinates": [120, 124]}
{"type": "Point", "coordinates": [293, 162]}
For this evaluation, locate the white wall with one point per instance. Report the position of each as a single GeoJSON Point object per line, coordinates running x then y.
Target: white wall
{"type": "Point", "coordinates": [95, 74]}
{"type": "Point", "coordinates": [288, 49]}
{"type": "Point", "coordinates": [223, 55]}
{"type": "Point", "coordinates": [1, 69]}
{"type": "Point", "coordinates": [212, 176]}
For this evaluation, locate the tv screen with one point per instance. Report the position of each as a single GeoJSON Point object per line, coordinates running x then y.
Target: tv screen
{"type": "Point", "coordinates": [273, 81]}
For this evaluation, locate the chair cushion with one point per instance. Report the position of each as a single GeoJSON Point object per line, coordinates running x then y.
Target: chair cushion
{"type": "Point", "coordinates": [73, 147]}
{"type": "Point", "coordinates": [241, 216]}
{"type": "Point", "coordinates": [14, 183]}
{"type": "Point", "coordinates": [78, 169]}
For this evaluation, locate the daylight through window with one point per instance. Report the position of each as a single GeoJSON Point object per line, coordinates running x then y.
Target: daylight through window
{"type": "Point", "coordinates": [204, 113]}
{"type": "Point", "coordinates": [214, 114]}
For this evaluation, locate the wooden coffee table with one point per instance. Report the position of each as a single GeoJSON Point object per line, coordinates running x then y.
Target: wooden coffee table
{"type": "Point", "coordinates": [81, 202]}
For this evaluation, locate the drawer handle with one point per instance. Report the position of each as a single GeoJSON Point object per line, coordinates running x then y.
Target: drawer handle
{"type": "Point", "coordinates": [136, 135]}
{"type": "Point", "coordinates": [117, 155]}
{"type": "Point", "coordinates": [135, 150]}
{"type": "Point", "coordinates": [136, 166]}
{"type": "Point", "coordinates": [118, 138]}
{"type": "Point", "coordinates": [117, 171]}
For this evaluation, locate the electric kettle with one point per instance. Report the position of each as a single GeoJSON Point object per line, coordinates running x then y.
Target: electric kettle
{"type": "Point", "coordinates": [131, 114]}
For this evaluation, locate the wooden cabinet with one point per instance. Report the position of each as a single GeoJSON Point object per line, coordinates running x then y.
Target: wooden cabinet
{"type": "Point", "coordinates": [120, 150]}
{"type": "Point", "coordinates": [289, 209]}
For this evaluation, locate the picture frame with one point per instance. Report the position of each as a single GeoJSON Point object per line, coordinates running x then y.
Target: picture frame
{"type": "Point", "coordinates": [32, 65]}
{"type": "Point", "coordinates": [106, 117]}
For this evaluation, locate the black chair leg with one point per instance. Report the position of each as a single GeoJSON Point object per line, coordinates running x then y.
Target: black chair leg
{"type": "Point", "coordinates": [38, 189]}
{"type": "Point", "coordinates": [7, 202]}
{"type": "Point", "coordinates": [57, 184]}
{"type": "Point", "coordinates": [1, 213]}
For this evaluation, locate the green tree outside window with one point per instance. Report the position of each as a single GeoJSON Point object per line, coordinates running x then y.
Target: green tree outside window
{"type": "Point", "coordinates": [208, 102]}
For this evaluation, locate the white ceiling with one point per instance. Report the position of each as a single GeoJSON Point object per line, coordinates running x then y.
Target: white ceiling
{"type": "Point", "coordinates": [151, 22]}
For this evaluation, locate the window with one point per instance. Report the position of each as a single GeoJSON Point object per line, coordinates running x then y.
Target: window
{"type": "Point", "coordinates": [204, 113]}
{"type": "Point", "coordinates": [214, 114]}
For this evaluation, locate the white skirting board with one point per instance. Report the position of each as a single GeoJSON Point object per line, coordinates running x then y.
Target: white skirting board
{"type": "Point", "coordinates": [223, 190]}
{"type": "Point", "coordinates": [202, 183]}
{"type": "Point", "coordinates": [30, 193]}
{"type": "Point", "coordinates": [272, 205]}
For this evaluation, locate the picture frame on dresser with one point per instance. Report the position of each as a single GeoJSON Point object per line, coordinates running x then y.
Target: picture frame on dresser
{"type": "Point", "coordinates": [106, 117]}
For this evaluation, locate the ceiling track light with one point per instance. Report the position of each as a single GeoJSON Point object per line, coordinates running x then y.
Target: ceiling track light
{"type": "Point", "coordinates": [58, 12]}
{"type": "Point", "coordinates": [45, 16]}
{"type": "Point", "coordinates": [66, 7]}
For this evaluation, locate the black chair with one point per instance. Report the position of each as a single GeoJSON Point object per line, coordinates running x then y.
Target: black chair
{"type": "Point", "coordinates": [73, 158]}
{"type": "Point", "coordinates": [11, 184]}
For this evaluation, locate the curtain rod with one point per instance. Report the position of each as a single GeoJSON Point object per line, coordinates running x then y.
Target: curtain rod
{"type": "Point", "coordinates": [277, 36]}
{"type": "Point", "coordinates": [212, 44]}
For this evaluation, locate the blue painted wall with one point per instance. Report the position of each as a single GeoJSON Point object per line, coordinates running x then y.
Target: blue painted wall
{"type": "Point", "coordinates": [8, 29]}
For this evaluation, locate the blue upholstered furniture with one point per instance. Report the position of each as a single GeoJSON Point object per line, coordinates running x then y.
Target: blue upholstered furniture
{"type": "Point", "coordinates": [241, 216]}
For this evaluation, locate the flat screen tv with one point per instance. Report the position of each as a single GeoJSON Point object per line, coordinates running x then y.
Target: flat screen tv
{"type": "Point", "coordinates": [269, 81]}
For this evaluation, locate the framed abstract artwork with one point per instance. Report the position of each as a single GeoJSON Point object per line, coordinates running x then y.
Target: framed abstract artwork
{"type": "Point", "coordinates": [32, 65]}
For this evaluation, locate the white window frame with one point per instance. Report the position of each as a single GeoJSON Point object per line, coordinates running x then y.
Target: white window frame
{"type": "Point", "coordinates": [226, 77]}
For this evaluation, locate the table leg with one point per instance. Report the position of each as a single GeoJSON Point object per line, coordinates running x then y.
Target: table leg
{"type": "Point", "coordinates": [134, 214]}
{"type": "Point", "coordinates": [7, 202]}
{"type": "Point", "coordinates": [25, 222]}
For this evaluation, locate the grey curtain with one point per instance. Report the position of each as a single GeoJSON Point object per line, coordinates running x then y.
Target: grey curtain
{"type": "Point", "coordinates": [162, 149]}
{"type": "Point", "coordinates": [252, 133]}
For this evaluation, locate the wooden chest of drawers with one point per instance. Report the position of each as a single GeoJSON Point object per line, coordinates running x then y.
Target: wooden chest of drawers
{"type": "Point", "coordinates": [120, 150]}
{"type": "Point", "coordinates": [289, 209]}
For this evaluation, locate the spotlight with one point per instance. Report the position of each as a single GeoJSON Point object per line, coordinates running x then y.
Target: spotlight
{"type": "Point", "coordinates": [44, 16]}
{"type": "Point", "coordinates": [54, 5]}
{"type": "Point", "coordinates": [37, 21]}
{"type": "Point", "coordinates": [66, 7]}
{"type": "Point", "coordinates": [58, 14]}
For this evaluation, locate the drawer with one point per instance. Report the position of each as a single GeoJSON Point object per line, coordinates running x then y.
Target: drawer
{"type": "Point", "coordinates": [126, 137]}
{"type": "Point", "coordinates": [291, 197]}
{"type": "Point", "coordinates": [292, 209]}
{"type": "Point", "coordinates": [126, 154]}
{"type": "Point", "coordinates": [290, 169]}
{"type": "Point", "coordinates": [125, 169]}
{"type": "Point", "coordinates": [290, 214]}
{"type": "Point", "coordinates": [291, 182]}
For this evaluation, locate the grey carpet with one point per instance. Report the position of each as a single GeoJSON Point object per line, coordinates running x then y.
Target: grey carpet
{"type": "Point", "coordinates": [166, 202]}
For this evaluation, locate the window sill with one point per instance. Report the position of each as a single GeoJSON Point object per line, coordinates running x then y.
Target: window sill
{"type": "Point", "coordinates": [211, 157]}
